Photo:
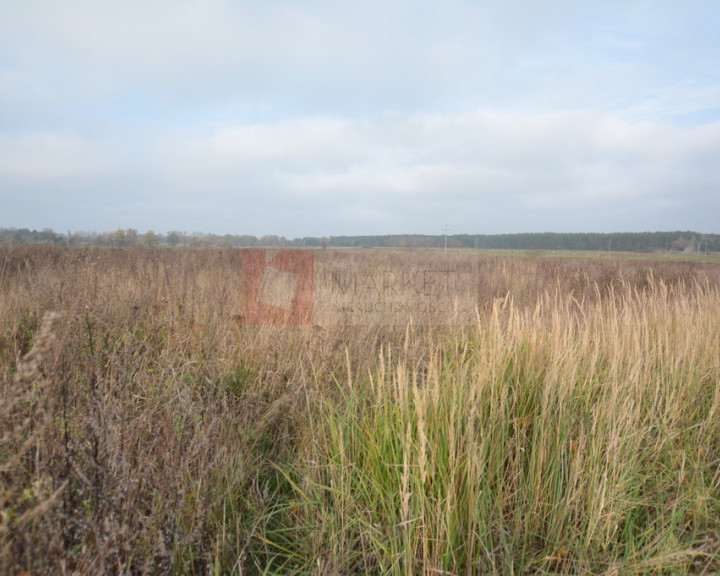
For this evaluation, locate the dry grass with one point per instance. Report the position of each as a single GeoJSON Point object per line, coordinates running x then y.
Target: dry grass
{"type": "Point", "coordinates": [572, 429]}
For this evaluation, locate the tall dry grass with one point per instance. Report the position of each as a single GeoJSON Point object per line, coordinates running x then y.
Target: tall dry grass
{"type": "Point", "coordinates": [550, 439]}
{"type": "Point", "coordinates": [573, 428]}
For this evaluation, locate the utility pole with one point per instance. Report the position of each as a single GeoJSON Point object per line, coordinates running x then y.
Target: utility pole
{"type": "Point", "coordinates": [446, 231]}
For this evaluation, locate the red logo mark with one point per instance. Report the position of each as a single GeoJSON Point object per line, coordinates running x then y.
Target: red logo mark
{"type": "Point", "coordinates": [278, 287]}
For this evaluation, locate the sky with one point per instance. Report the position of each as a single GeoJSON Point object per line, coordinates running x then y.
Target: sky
{"type": "Point", "coordinates": [328, 118]}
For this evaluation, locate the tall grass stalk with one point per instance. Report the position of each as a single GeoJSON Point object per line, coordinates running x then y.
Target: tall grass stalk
{"type": "Point", "coordinates": [552, 439]}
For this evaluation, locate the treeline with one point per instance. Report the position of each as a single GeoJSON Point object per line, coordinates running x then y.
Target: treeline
{"type": "Point", "coordinates": [124, 238]}
{"type": "Point", "coordinates": [646, 242]}
{"type": "Point", "coordinates": [616, 242]}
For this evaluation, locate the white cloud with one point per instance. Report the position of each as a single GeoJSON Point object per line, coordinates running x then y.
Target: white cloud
{"type": "Point", "coordinates": [45, 158]}
{"type": "Point", "coordinates": [293, 118]}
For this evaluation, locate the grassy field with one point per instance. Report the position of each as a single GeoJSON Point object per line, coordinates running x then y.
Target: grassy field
{"type": "Point", "coordinates": [572, 428]}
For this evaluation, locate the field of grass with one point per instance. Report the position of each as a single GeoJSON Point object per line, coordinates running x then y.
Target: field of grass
{"type": "Point", "coordinates": [572, 428]}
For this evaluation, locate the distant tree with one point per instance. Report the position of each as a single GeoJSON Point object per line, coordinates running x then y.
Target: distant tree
{"type": "Point", "coordinates": [117, 238]}
{"type": "Point", "coordinates": [680, 244]}
{"type": "Point", "coordinates": [149, 240]}
{"type": "Point", "coordinates": [131, 237]}
{"type": "Point", "coordinates": [174, 238]}
{"type": "Point", "coordinates": [269, 240]}
{"type": "Point", "coordinates": [75, 239]}
{"type": "Point", "coordinates": [197, 241]}
{"type": "Point", "coordinates": [48, 235]}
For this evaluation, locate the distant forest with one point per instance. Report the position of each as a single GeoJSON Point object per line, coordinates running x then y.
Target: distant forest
{"type": "Point", "coordinates": [645, 242]}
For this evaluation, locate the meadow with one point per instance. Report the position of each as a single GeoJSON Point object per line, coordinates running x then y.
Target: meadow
{"type": "Point", "coordinates": [570, 426]}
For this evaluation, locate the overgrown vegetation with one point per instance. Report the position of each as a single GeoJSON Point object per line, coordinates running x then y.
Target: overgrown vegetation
{"type": "Point", "coordinates": [685, 242]}
{"type": "Point", "coordinates": [573, 429]}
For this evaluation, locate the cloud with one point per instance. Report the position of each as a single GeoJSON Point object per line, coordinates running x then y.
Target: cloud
{"type": "Point", "coordinates": [44, 158]}
{"type": "Point", "coordinates": [523, 163]}
{"type": "Point", "coordinates": [222, 59]}
{"type": "Point", "coordinates": [471, 169]}
{"type": "Point", "coordinates": [334, 118]}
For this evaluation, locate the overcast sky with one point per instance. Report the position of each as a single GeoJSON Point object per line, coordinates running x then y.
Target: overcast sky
{"type": "Point", "coordinates": [314, 118]}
